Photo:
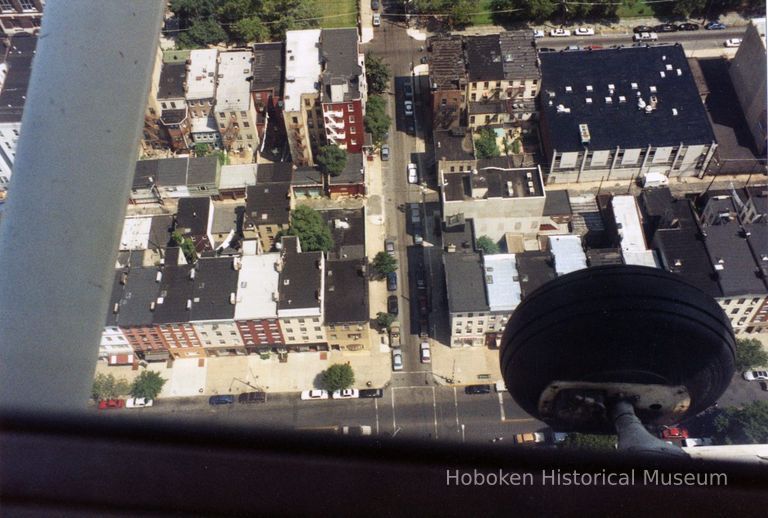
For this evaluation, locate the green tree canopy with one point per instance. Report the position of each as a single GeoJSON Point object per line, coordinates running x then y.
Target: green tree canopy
{"type": "Point", "coordinates": [750, 353]}
{"type": "Point", "coordinates": [202, 149]}
{"type": "Point", "coordinates": [384, 320]}
{"type": "Point", "coordinates": [747, 425]}
{"type": "Point", "coordinates": [332, 159]}
{"type": "Point", "coordinates": [487, 245]}
{"type": "Point", "coordinates": [384, 263]}
{"type": "Point", "coordinates": [584, 441]}
{"type": "Point", "coordinates": [309, 226]}
{"type": "Point", "coordinates": [201, 33]}
{"type": "Point", "coordinates": [460, 13]}
{"type": "Point", "coordinates": [485, 143]}
{"type": "Point", "coordinates": [187, 246]}
{"type": "Point", "coordinates": [687, 7]}
{"type": "Point", "coordinates": [148, 385]}
{"type": "Point", "coordinates": [377, 121]}
{"type": "Point", "coordinates": [105, 386]}
{"type": "Point", "coordinates": [377, 74]}
{"type": "Point", "coordinates": [338, 377]}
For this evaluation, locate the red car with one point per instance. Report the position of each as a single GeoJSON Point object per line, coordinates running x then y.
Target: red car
{"type": "Point", "coordinates": [106, 404]}
{"type": "Point", "coordinates": [674, 433]}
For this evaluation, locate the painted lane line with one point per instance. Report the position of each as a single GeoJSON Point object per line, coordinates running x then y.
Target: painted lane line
{"type": "Point", "coordinates": [501, 406]}
{"type": "Point", "coordinates": [434, 410]}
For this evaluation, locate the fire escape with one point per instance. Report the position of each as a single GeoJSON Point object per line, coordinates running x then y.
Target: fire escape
{"type": "Point", "coordinates": [297, 134]}
{"type": "Point", "coordinates": [152, 137]}
{"type": "Point", "coordinates": [334, 128]}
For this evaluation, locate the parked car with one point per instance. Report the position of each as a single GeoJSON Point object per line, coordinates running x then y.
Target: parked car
{"type": "Point", "coordinates": [392, 304]}
{"type": "Point", "coordinates": [389, 246]}
{"type": "Point", "coordinates": [371, 393]}
{"type": "Point", "coordinates": [593, 47]}
{"type": "Point", "coordinates": [397, 360]}
{"type": "Point", "coordinates": [392, 281]}
{"type": "Point", "coordinates": [559, 33]}
{"type": "Point", "coordinates": [138, 402]}
{"type": "Point", "coordinates": [385, 152]}
{"type": "Point", "coordinates": [571, 48]}
{"type": "Point", "coordinates": [642, 28]}
{"type": "Point", "coordinates": [672, 432]}
{"type": "Point", "coordinates": [375, 5]}
{"type": "Point", "coordinates": [538, 34]}
{"type": "Point", "coordinates": [408, 91]}
{"type": "Point", "coordinates": [646, 36]}
{"type": "Point", "coordinates": [585, 31]}
{"type": "Point", "coordinates": [221, 399]}
{"type": "Point", "coordinates": [415, 214]}
{"type": "Point", "coordinates": [356, 430]}
{"type": "Point", "coordinates": [345, 394]}
{"type": "Point", "coordinates": [418, 239]}
{"type": "Point", "coordinates": [423, 60]}
{"type": "Point", "coordinates": [702, 441]}
{"type": "Point", "coordinates": [376, 20]}
{"type": "Point", "coordinates": [424, 353]}
{"type": "Point", "coordinates": [420, 283]}
{"type": "Point", "coordinates": [249, 398]}
{"type": "Point", "coordinates": [688, 26]}
{"type": "Point", "coordinates": [530, 438]}
{"type": "Point", "coordinates": [477, 389]}
{"type": "Point", "coordinates": [756, 375]}
{"type": "Point", "coordinates": [408, 107]}
{"type": "Point", "coordinates": [715, 26]}
{"type": "Point", "coordinates": [413, 176]}
{"type": "Point", "coordinates": [546, 49]}
{"type": "Point", "coordinates": [733, 42]}
{"type": "Point", "coordinates": [410, 129]}
{"type": "Point", "coordinates": [308, 395]}
{"type": "Point", "coordinates": [665, 27]}
{"type": "Point", "coordinates": [109, 404]}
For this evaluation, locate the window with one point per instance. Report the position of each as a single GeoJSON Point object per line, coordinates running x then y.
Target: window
{"type": "Point", "coordinates": [471, 119]}
{"type": "Point", "coordinates": [243, 115]}
{"type": "Point", "coordinates": [173, 104]}
{"type": "Point", "coordinates": [301, 321]}
{"type": "Point", "coordinates": [222, 115]}
{"type": "Point", "coordinates": [305, 338]}
{"type": "Point", "coordinates": [246, 124]}
{"type": "Point", "coordinates": [6, 6]}
{"type": "Point", "coordinates": [353, 142]}
{"type": "Point", "coordinates": [307, 103]}
{"type": "Point", "coordinates": [352, 130]}
{"type": "Point", "coordinates": [27, 5]}
{"type": "Point", "coordinates": [164, 105]}
{"type": "Point", "coordinates": [294, 120]}
{"type": "Point", "coordinates": [316, 319]}
{"type": "Point", "coordinates": [351, 119]}
{"type": "Point", "coordinates": [742, 301]}
{"type": "Point", "coordinates": [473, 97]}
{"type": "Point", "coordinates": [485, 84]}
{"type": "Point", "coordinates": [317, 329]}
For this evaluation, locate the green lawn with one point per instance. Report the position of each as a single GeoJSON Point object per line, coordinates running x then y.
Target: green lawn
{"type": "Point", "coordinates": [633, 8]}
{"type": "Point", "coordinates": [334, 8]}
{"type": "Point", "coordinates": [485, 17]}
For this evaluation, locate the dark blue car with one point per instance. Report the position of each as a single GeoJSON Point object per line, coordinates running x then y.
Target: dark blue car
{"type": "Point", "coordinates": [221, 400]}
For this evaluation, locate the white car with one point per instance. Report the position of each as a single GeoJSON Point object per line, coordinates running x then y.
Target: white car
{"type": "Point", "coordinates": [756, 375]}
{"type": "Point", "coordinates": [689, 443]}
{"type": "Point", "coordinates": [645, 36]}
{"type": "Point", "coordinates": [376, 19]}
{"type": "Point", "coordinates": [538, 34]}
{"type": "Point", "coordinates": [425, 353]}
{"type": "Point", "coordinates": [559, 33]}
{"type": "Point", "coordinates": [346, 394]}
{"type": "Point", "coordinates": [585, 31]}
{"type": "Point", "coordinates": [408, 105]}
{"type": "Point", "coordinates": [138, 402]}
{"type": "Point", "coordinates": [413, 176]}
{"type": "Point", "coordinates": [397, 360]}
{"type": "Point", "coordinates": [314, 394]}
{"type": "Point", "coordinates": [733, 42]}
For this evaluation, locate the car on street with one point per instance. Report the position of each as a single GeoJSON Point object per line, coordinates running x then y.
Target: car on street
{"type": "Point", "coordinates": [392, 305]}
{"type": "Point", "coordinates": [389, 246]}
{"type": "Point", "coordinates": [415, 214]}
{"type": "Point", "coordinates": [250, 398]}
{"type": "Point", "coordinates": [408, 108]}
{"type": "Point", "coordinates": [423, 60]}
{"type": "Point", "coordinates": [642, 28]}
{"type": "Point", "coordinates": [356, 430]}
{"type": "Point", "coordinates": [221, 399]}
{"type": "Point", "coordinates": [546, 49]}
{"type": "Point", "coordinates": [715, 26]}
{"type": "Point", "coordinates": [733, 42]}
{"type": "Point", "coordinates": [530, 438]}
{"type": "Point", "coordinates": [371, 393]}
{"type": "Point", "coordinates": [538, 34]}
{"type": "Point", "coordinates": [109, 404]}
{"type": "Point", "coordinates": [424, 353]}
{"type": "Point", "coordinates": [697, 441]}
{"type": "Point", "coordinates": [688, 26]}
{"type": "Point", "coordinates": [410, 129]}
{"type": "Point", "coordinates": [309, 395]}
{"type": "Point", "coordinates": [645, 36]}
{"type": "Point", "coordinates": [408, 91]}
{"type": "Point", "coordinates": [413, 176]}
{"type": "Point", "coordinates": [665, 27]}
{"type": "Point", "coordinates": [385, 152]}
{"type": "Point", "coordinates": [477, 389]}
{"type": "Point", "coordinates": [418, 238]}
{"type": "Point", "coordinates": [420, 283]}
{"type": "Point", "coordinates": [571, 48]}
{"type": "Point", "coordinates": [585, 31]}
{"type": "Point", "coordinates": [756, 375]}
{"type": "Point", "coordinates": [345, 394]}
{"type": "Point", "coordinates": [376, 20]}
{"type": "Point", "coordinates": [593, 47]}
{"type": "Point", "coordinates": [559, 33]}
{"type": "Point", "coordinates": [397, 360]}
{"type": "Point", "coordinates": [392, 281]}
{"type": "Point", "coordinates": [375, 5]}
{"type": "Point", "coordinates": [423, 305]}
{"type": "Point", "coordinates": [138, 402]}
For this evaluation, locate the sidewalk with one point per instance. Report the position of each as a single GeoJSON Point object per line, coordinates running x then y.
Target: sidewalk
{"type": "Point", "coordinates": [676, 185]}
{"type": "Point", "coordinates": [465, 365]}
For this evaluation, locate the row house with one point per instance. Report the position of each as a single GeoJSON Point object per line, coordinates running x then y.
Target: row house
{"type": "Point", "coordinates": [234, 180]}
{"type": "Point", "coordinates": [622, 113]}
{"type": "Point", "coordinates": [21, 16]}
{"type": "Point", "coordinates": [158, 180]}
{"type": "Point", "coordinates": [447, 81]}
{"type": "Point", "coordinates": [235, 109]}
{"type": "Point", "coordinates": [194, 220]}
{"type": "Point", "coordinates": [202, 68]}
{"type": "Point", "coordinates": [256, 303]}
{"type": "Point", "coordinates": [302, 112]}
{"type": "Point", "coordinates": [346, 315]}
{"type": "Point", "coordinates": [267, 89]}
{"type": "Point", "coordinates": [174, 114]}
{"type": "Point", "coordinates": [15, 71]}
{"type": "Point", "coordinates": [268, 205]}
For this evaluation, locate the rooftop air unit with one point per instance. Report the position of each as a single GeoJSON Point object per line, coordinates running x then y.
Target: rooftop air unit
{"type": "Point", "coordinates": [584, 132]}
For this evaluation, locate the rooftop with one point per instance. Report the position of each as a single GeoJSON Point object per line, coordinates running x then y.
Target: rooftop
{"type": "Point", "coordinates": [203, 125]}
{"type": "Point", "coordinates": [603, 256]}
{"type": "Point", "coordinates": [300, 282]}
{"type": "Point", "coordinates": [174, 172]}
{"type": "Point", "coordinates": [353, 172]}
{"type": "Point", "coordinates": [18, 59]}
{"type": "Point", "coordinates": [465, 282]}
{"type": "Point", "coordinates": [557, 203]}
{"type": "Point", "coordinates": [732, 259]}
{"type": "Point", "coordinates": [454, 145]}
{"type": "Point", "coordinates": [201, 74]}
{"type": "Point", "coordinates": [484, 58]}
{"type": "Point", "coordinates": [342, 70]}
{"type": "Point", "coordinates": [233, 91]}
{"type": "Point", "coordinates": [628, 224]}
{"type": "Point", "coordinates": [268, 67]}
{"type": "Point", "coordinates": [237, 176]}
{"type": "Point", "coordinates": [257, 287]}
{"type": "Point", "coordinates": [502, 282]}
{"type": "Point", "coordinates": [346, 291]}
{"type": "Point", "coordinates": [460, 235]}
{"type": "Point", "coordinates": [133, 298]}
{"type": "Point", "coordinates": [348, 230]}
{"type": "Point", "coordinates": [493, 179]}
{"type": "Point", "coordinates": [613, 117]}
{"type": "Point", "coordinates": [268, 203]}
{"type": "Point", "coordinates": [302, 66]}
{"type": "Point", "coordinates": [307, 175]}
{"type": "Point", "coordinates": [535, 269]}
{"type": "Point", "coordinates": [175, 298]}
{"type": "Point", "coordinates": [215, 286]}
{"type": "Point", "coordinates": [175, 116]}
{"type": "Point", "coordinates": [172, 79]}
{"type": "Point", "coordinates": [568, 253]}
{"type": "Point", "coordinates": [446, 62]}
{"type": "Point", "coordinates": [519, 57]}
{"type": "Point", "coordinates": [274, 172]}
{"type": "Point", "coordinates": [142, 232]}
{"type": "Point", "coordinates": [192, 215]}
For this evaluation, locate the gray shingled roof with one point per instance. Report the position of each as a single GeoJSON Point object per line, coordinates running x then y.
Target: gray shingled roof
{"type": "Point", "coordinates": [18, 59]}
{"type": "Point", "coordinates": [268, 66]}
{"type": "Point", "coordinates": [446, 62]}
{"type": "Point", "coordinates": [338, 48]}
{"type": "Point", "coordinates": [465, 282]}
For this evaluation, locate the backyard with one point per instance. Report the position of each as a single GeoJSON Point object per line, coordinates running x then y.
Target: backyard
{"type": "Point", "coordinates": [337, 13]}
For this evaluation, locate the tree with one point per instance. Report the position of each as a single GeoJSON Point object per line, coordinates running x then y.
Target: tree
{"type": "Point", "coordinates": [187, 246]}
{"type": "Point", "coordinates": [384, 263]}
{"type": "Point", "coordinates": [585, 441]}
{"type": "Point", "coordinates": [338, 377]}
{"type": "Point", "coordinates": [487, 245]}
{"type": "Point", "coordinates": [485, 143]}
{"type": "Point", "coordinates": [384, 320]}
{"type": "Point", "coordinates": [536, 10]}
{"type": "Point", "coordinates": [377, 121]}
{"type": "Point", "coordinates": [250, 29]}
{"type": "Point", "coordinates": [377, 74]}
{"type": "Point", "coordinates": [148, 385]}
{"type": "Point", "coordinates": [750, 353]}
{"type": "Point", "coordinates": [747, 425]}
{"type": "Point", "coordinates": [202, 33]}
{"type": "Point", "coordinates": [311, 229]}
{"type": "Point", "coordinates": [332, 159]}
{"type": "Point", "coordinates": [687, 7]}
{"type": "Point", "coordinates": [460, 13]}
{"type": "Point", "coordinates": [105, 386]}
{"type": "Point", "coordinates": [202, 149]}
